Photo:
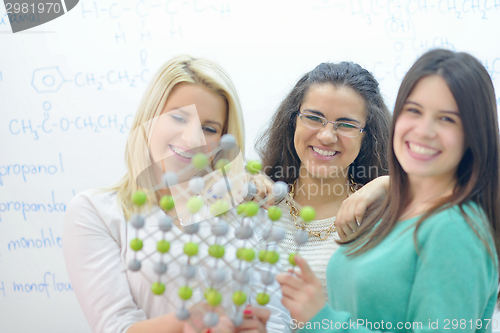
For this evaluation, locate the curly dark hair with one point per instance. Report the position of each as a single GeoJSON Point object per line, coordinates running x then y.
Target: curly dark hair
{"type": "Point", "coordinates": [276, 146]}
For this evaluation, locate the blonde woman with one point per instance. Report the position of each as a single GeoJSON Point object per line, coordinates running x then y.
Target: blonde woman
{"type": "Point", "coordinates": [189, 104]}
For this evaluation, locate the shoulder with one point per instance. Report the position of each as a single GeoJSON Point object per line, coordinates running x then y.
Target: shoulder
{"type": "Point", "coordinates": [97, 198]}
{"type": "Point", "coordinates": [465, 218]}
{"type": "Point", "coordinates": [94, 204]}
{"type": "Point", "coordinates": [458, 241]}
{"type": "Point", "coordinates": [462, 229]}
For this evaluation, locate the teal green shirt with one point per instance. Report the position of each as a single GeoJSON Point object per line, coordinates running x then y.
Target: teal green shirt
{"type": "Point", "coordinates": [450, 284]}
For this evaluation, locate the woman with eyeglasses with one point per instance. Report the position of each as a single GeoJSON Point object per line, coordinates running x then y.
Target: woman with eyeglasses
{"type": "Point", "coordinates": [328, 137]}
{"type": "Point", "coordinates": [426, 258]}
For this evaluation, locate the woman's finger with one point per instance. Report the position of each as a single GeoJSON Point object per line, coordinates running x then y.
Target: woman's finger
{"type": "Point", "coordinates": [289, 280]}
{"type": "Point", "coordinates": [270, 196]}
{"type": "Point", "coordinates": [341, 233]}
{"type": "Point", "coordinates": [225, 325]}
{"type": "Point", "coordinates": [359, 213]}
{"type": "Point", "coordinates": [353, 225]}
{"type": "Point", "coordinates": [288, 292]}
{"type": "Point", "coordinates": [261, 189]}
{"type": "Point", "coordinates": [261, 314]}
{"type": "Point", "coordinates": [308, 275]}
{"type": "Point", "coordinates": [296, 272]}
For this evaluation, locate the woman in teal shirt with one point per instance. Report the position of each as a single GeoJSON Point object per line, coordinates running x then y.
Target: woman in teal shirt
{"type": "Point", "coordinates": [425, 259]}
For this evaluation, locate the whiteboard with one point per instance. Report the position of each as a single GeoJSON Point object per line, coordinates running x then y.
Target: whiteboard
{"type": "Point", "coordinates": [69, 89]}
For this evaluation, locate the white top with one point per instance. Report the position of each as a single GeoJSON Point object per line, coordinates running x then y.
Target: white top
{"type": "Point", "coordinates": [97, 252]}
{"type": "Point", "coordinates": [316, 252]}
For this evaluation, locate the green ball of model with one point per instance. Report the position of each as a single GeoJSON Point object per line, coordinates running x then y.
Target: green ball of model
{"type": "Point", "coordinates": [239, 297]}
{"type": "Point", "coordinates": [307, 213]}
{"type": "Point", "coordinates": [163, 246]}
{"type": "Point", "coordinates": [239, 253]}
{"type": "Point", "coordinates": [191, 249]}
{"type": "Point", "coordinates": [274, 213]}
{"type": "Point", "coordinates": [167, 202]}
{"type": "Point", "coordinates": [262, 298]}
{"type": "Point", "coordinates": [241, 209]}
{"type": "Point", "coordinates": [216, 250]}
{"type": "Point", "coordinates": [262, 255]}
{"type": "Point", "coordinates": [254, 167]}
{"type": "Point", "coordinates": [207, 291]}
{"type": "Point", "coordinates": [213, 297]}
{"type": "Point", "coordinates": [158, 288]}
{"type": "Point", "coordinates": [199, 160]}
{"type": "Point", "coordinates": [248, 255]}
{"type": "Point", "coordinates": [251, 208]}
{"type": "Point", "coordinates": [139, 198]}
{"type": "Point", "coordinates": [219, 207]}
{"type": "Point", "coordinates": [223, 163]}
{"type": "Point", "coordinates": [194, 204]}
{"type": "Point", "coordinates": [136, 244]}
{"type": "Point", "coordinates": [291, 259]}
{"type": "Point", "coordinates": [185, 292]}
{"type": "Point", "coordinates": [272, 257]}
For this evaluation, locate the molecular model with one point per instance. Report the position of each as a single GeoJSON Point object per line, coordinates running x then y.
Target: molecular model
{"type": "Point", "coordinates": [208, 256]}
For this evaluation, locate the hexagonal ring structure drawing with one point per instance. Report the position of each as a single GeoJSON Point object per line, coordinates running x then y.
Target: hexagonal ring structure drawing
{"type": "Point", "coordinates": [47, 79]}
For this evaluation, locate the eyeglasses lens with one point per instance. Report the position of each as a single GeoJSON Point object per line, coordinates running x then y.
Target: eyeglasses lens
{"type": "Point", "coordinates": [316, 122]}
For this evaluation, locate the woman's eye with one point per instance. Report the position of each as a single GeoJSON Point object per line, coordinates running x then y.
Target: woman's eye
{"type": "Point", "coordinates": [314, 118]}
{"type": "Point", "coordinates": [178, 118]}
{"type": "Point", "coordinates": [448, 119]}
{"type": "Point", "coordinates": [209, 129]}
{"type": "Point", "coordinates": [346, 125]}
{"type": "Point", "coordinates": [411, 110]}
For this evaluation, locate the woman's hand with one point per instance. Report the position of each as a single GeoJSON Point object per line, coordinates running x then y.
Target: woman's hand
{"type": "Point", "coordinates": [195, 322]}
{"type": "Point", "coordinates": [264, 187]}
{"type": "Point", "coordinates": [302, 294]}
{"type": "Point", "coordinates": [254, 320]}
{"type": "Point", "coordinates": [352, 211]}
{"type": "Point", "coordinates": [225, 325]}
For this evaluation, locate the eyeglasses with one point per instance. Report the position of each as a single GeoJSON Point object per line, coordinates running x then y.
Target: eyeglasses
{"type": "Point", "coordinates": [313, 121]}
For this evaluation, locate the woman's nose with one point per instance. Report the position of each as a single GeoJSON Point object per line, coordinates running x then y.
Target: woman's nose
{"type": "Point", "coordinates": [327, 134]}
{"type": "Point", "coordinates": [425, 127]}
{"type": "Point", "coordinates": [193, 136]}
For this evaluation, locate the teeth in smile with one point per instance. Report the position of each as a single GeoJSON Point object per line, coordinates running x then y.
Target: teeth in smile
{"type": "Point", "coordinates": [324, 152]}
{"type": "Point", "coordinates": [422, 150]}
{"type": "Point", "coordinates": [181, 152]}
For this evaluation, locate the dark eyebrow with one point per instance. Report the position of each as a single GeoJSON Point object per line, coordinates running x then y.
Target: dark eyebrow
{"type": "Point", "coordinates": [348, 119]}
{"type": "Point", "coordinates": [338, 119]}
{"type": "Point", "coordinates": [316, 112]}
{"type": "Point", "coordinates": [456, 113]}
{"type": "Point", "coordinates": [452, 112]}
{"type": "Point", "coordinates": [411, 102]}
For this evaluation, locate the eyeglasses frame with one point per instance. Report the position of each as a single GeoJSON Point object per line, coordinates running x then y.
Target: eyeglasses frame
{"type": "Point", "coordinates": [335, 124]}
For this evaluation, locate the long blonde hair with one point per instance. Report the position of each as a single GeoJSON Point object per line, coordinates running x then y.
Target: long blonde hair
{"type": "Point", "coordinates": [180, 69]}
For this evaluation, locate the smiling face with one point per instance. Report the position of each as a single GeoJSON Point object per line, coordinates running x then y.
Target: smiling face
{"type": "Point", "coordinates": [428, 135]}
{"type": "Point", "coordinates": [193, 118]}
{"type": "Point", "coordinates": [323, 152]}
